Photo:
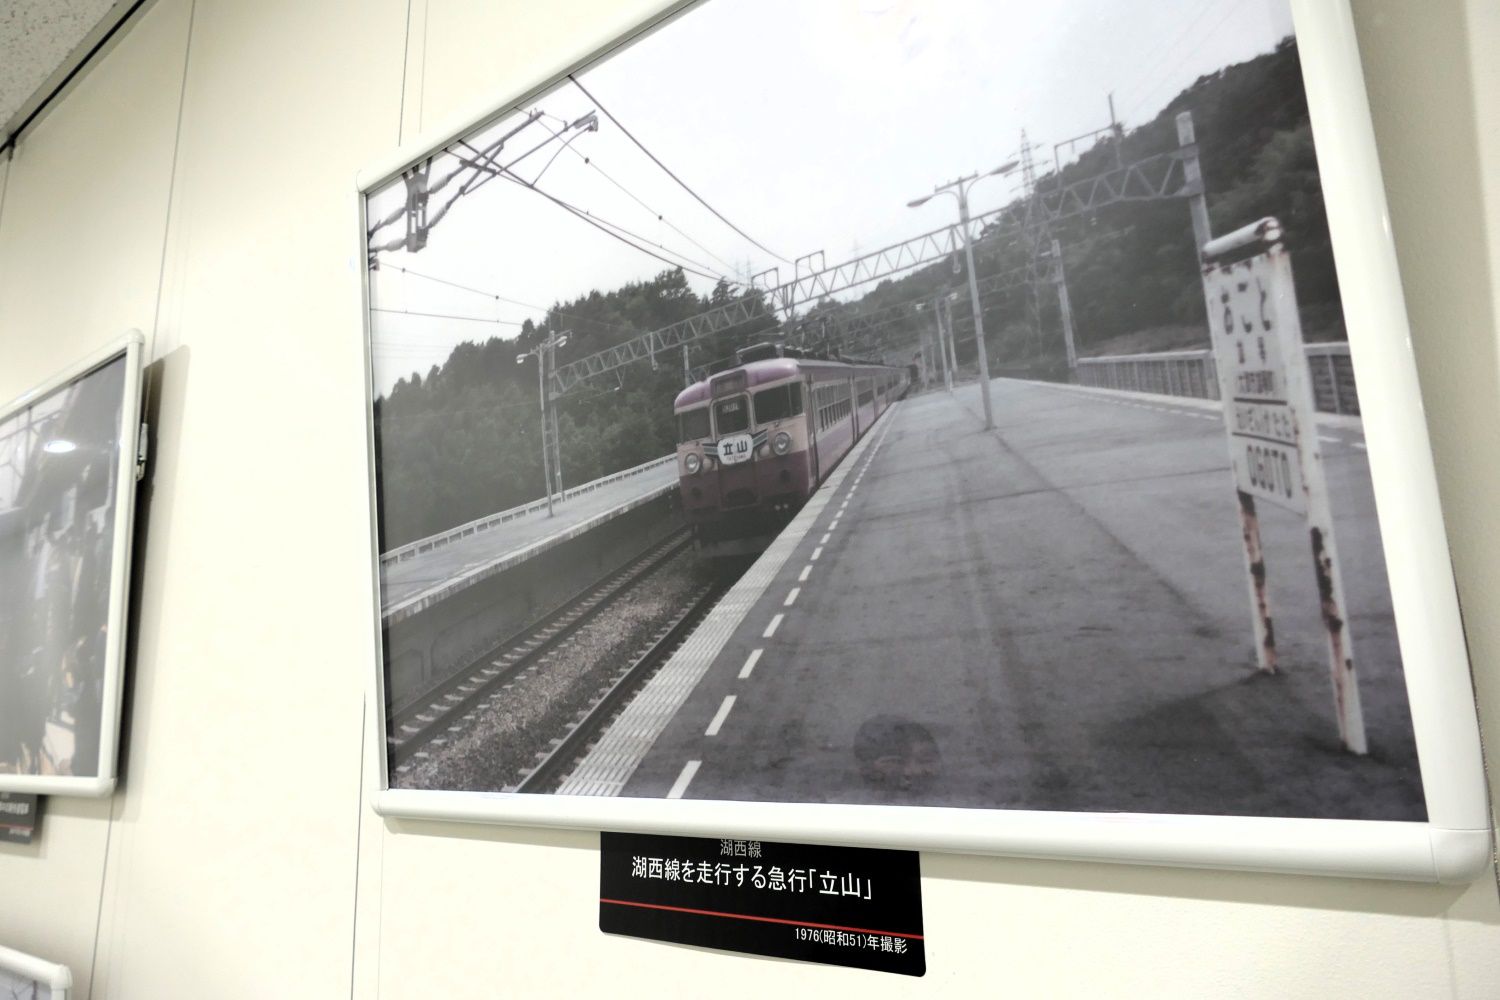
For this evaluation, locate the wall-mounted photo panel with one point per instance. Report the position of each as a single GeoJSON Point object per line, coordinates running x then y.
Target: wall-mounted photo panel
{"type": "Point", "coordinates": [958, 425]}
{"type": "Point", "coordinates": [26, 977]}
{"type": "Point", "coordinates": [68, 471]}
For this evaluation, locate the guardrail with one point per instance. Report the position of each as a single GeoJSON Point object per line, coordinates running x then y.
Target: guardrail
{"type": "Point", "coordinates": [412, 549]}
{"type": "Point", "coordinates": [1193, 373]}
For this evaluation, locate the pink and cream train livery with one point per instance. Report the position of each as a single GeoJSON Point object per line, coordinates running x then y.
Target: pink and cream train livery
{"type": "Point", "coordinates": [754, 442]}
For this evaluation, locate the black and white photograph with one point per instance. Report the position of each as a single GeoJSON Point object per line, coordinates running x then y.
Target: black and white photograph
{"type": "Point", "coordinates": [892, 402]}
{"type": "Point", "coordinates": [60, 492]}
{"type": "Point", "coordinates": [27, 977]}
{"type": "Point", "coordinates": [15, 987]}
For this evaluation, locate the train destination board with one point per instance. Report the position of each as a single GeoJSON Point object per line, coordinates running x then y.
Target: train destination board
{"type": "Point", "coordinates": [848, 906]}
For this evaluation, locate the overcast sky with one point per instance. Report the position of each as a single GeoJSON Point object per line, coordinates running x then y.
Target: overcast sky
{"type": "Point", "coordinates": [809, 124]}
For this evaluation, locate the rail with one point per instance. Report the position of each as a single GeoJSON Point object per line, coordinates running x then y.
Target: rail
{"type": "Point", "coordinates": [1193, 373]}
{"type": "Point", "coordinates": [412, 549]}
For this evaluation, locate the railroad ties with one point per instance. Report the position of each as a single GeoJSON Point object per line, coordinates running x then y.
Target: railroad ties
{"type": "Point", "coordinates": [447, 709]}
{"type": "Point", "coordinates": [554, 764]}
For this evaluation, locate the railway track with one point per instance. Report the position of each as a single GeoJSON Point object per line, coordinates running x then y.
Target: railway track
{"type": "Point", "coordinates": [443, 710]}
{"type": "Point", "coordinates": [555, 763]}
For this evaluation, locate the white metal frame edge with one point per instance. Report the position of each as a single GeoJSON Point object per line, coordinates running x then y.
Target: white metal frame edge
{"type": "Point", "coordinates": [130, 346]}
{"type": "Point", "coordinates": [1454, 844]}
{"type": "Point", "coordinates": [57, 978]}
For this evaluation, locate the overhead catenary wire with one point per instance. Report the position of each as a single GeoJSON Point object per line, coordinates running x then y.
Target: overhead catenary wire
{"type": "Point", "coordinates": [1151, 64]}
{"type": "Point", "coordinates": [485, 156]}
{"type": "Point", "coordinates": [553, 311]}
{"type": "Point", "coordinates": [1160, 79]}
{"type": "Point", "coordinates": [600, 224]}
{"type": "Point", "coordinates": [592, 161]}
{"type": "Point", "coordinates": [696, 267]}
{"type": "Point", "coordinates": [682, 183]}
{"type": "Point", "coordinates": [454, 316]}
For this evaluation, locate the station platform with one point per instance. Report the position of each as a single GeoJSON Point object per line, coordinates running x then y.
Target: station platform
{"type": "Point", "coordinates": [1051, 615]}
{"type": "Point", "coordinates": [416, 576]}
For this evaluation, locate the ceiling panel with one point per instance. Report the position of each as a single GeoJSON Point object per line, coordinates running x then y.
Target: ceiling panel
{"type": "Point", "coordinates": [41, 41]}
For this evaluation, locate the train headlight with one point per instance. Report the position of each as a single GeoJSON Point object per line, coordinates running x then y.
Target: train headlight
{"type": "Point", "coordinates": [781, 443]}
{"type": "Point", "coordinates": [693, 463]}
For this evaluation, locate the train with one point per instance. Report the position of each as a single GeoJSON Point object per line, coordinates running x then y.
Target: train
{"type": "Point", "coordinates": [756, 440]}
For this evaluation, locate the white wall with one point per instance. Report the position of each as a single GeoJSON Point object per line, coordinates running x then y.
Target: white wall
{"type": "Point", "coordinates": [198, 184]}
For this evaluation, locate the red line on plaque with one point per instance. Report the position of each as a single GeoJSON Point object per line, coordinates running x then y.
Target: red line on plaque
{"type": "Point", "coordinates": [763, 920]}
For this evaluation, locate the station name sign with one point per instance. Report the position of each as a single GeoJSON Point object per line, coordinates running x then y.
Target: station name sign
{"type": "Point", "coordinates": [1270, 418]}
{"type": "Point", "coordinates": [1253, 343]}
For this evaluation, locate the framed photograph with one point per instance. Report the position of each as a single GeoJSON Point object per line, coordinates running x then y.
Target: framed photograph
{"type": "Point", "coordinates": [26, 977]}
{"type": "Point", "coordinates": [951, 425]}
{"type": "Point", "coordinates": [69, 461]}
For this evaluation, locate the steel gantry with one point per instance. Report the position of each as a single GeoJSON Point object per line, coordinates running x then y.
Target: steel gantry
{"type": "Point", "coordinates": [1169, 175]}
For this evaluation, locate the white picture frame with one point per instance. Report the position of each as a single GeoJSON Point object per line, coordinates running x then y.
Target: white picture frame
{"type": "Point", "coordinates": [1453, 845]}
{"type": "Point", "coordinates": [127, 351]}
{"type": "Point", "coordinates": [36, 972]}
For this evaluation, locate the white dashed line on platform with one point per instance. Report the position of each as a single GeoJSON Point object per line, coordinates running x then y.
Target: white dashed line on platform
{"type": "Point", "coordinates": [824, 541]}
{"type": "Point", "coordinates": [817, 552]}
{"type": "Point", "coordinates": [771, 628]}
{"type": "Point", "coordinates": [750, 662]}
{"type": "Point", "coordinates": [791, 598]}
{"type": "Point", "coordinates": [806, 572]}
{"type": "Point", "coordinates": [720, 716]}
{"type": "Point", "coordinates": [684, 779]}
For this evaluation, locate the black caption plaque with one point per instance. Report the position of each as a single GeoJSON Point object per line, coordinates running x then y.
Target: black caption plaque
{"type": "Point", "coordinates": [851, 906]}
{"type": "Point", "coordinates": [18, 817]}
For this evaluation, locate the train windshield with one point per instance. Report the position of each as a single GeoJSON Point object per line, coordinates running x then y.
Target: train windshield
{"type": "Point", "coordinates": [778, 403]}
{"type": "Point", "coordinates": [732, 415]}
{"type": "Point", "coordinates": [692, 425]}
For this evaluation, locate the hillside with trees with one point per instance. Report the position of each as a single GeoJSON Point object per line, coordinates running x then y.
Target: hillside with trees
{"type": "Point", "coordinates": [463, 440]}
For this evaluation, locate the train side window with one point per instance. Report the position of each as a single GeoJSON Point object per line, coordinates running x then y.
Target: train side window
{"type": "Point", "coordinates": [778, 403]}
{"type": "Point", "coordinates": [692, 425]}
{"type": "Point", "coordinates": [732, 415]}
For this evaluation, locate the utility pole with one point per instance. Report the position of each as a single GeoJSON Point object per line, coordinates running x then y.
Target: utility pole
{"type": "Point", "coordinates": [556, 436]}
{"type": "Point", "coordinates": [945, 317]}
{"type": "Point", "coordinates": [1065, 307]}
{"type": "Point", "coordinates": [960, 189]}
{"type": "Point", "coordinates": [546, 364]}
{"type": "Point", "coordinates": [541, 392]}
{"type": "Point", "coordinates": [941, 343]}
{"type": "Point", "coordinates": [1255, 560]}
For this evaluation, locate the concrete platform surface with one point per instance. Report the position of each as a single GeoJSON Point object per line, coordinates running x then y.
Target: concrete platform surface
{"type": "Point", "coordinates": [419, 580]}
{"type": "Point", "coordinates": [1052, 615]}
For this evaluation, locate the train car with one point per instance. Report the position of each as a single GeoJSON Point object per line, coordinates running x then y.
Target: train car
{"type": "Point", "coordinates": [755, 441]}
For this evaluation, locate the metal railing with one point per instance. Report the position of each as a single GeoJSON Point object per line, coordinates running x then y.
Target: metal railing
{"type": "Point", "coordinates": [1193, 373]}
{"type": "Point", "coordinates": [412, 549]}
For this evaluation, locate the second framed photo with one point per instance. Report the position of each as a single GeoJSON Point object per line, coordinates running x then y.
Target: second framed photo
{"type": "Point", "coordinates": [68, 468]}
{"type": "Point", "coordinates": [938, 424]}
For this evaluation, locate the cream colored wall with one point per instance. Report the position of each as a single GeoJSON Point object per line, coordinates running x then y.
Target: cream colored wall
{"type": "Point", "coordinates": [198, 184]}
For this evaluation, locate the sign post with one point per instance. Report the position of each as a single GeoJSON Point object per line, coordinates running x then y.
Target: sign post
{"type": "Point", "coordinates": [1271, 422]}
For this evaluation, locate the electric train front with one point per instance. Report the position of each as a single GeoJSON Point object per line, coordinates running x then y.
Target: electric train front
{"type": "Point", "coordinates": [743, 455]}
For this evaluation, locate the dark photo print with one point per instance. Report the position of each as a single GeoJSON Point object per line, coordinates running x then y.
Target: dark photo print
{"type": "Point", "coordinates": [59, 460]}
{"type": "Point", "coordinates": [940, 403]}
